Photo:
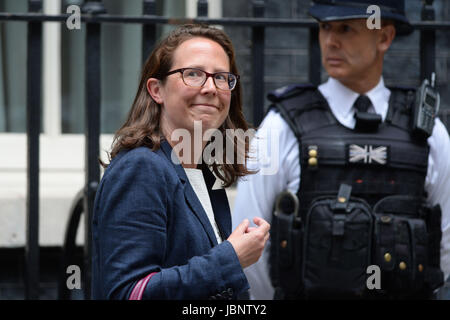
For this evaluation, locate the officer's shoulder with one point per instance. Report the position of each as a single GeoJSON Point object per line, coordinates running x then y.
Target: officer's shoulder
{"type": "Point", "coordinates": [401, 88]}
{"type": "Point", "coordinates": [403, 95]}
{"type": "Point", "coordinates": [290, 91]}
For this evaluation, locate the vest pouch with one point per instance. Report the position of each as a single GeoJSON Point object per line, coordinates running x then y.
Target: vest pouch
{"type": "Point", "coordinates": [337, 247]}
{"type": "Point", "coordinates": [401, 245]}
{"type": "Point", "coordinates": [285, 256]}
{"type": "Point", "coordinates": [393, 253]}
{"type": "Point", "coordinates": [434, 277]}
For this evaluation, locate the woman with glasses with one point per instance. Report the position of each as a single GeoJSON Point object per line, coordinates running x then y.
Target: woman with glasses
{"type": "Point", "coordinates": [162, 228]}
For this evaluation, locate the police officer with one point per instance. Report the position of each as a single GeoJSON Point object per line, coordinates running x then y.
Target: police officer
{"type": "Point", "coordinates": [363, 176]}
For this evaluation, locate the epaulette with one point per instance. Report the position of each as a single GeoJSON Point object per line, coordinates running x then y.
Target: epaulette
{"type": "Point", "coordinates": [288, 91]}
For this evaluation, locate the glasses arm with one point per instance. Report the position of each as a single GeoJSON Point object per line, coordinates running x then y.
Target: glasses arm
{"type": "Point", "coordinates": [174, 71]}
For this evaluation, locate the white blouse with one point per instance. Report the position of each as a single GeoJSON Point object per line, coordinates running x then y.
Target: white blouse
{"type": "Point", "coordinates": [197, 182]}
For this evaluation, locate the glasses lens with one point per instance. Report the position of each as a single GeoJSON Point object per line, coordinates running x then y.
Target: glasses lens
{"type": "Point", "coordinates": [225, 80]}
{"type": "Point", "coordinates": [197, 78]}
{"type": "Point", "coordinates": [194, 77]}
{"type": "Point", "coordinates": [221, 80]}
{"type": "Point", "coordinates": [232, 80]}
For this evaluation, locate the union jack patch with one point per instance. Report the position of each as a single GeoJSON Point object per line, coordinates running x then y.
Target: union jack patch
{"type": "Point", "coordinates": [368, 154]}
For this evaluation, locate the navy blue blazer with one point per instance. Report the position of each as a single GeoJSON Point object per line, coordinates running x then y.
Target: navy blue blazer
{"type": "Point", "coordinates": [147, 218]}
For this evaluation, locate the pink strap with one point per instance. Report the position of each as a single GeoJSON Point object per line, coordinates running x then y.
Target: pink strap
{"type": "Point", "coordinates": [139, 288]}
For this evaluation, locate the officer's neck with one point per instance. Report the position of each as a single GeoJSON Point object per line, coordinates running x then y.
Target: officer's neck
{"type": "Point", "coordinates": [361, 86]}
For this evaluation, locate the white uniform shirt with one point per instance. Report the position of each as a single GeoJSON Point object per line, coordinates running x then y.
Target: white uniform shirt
{"type": "Point", "coordinates": [256, 193]}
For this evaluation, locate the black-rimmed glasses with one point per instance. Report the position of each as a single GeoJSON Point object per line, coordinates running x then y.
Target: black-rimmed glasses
{"type": "Point", "coordinates": [197, 78]}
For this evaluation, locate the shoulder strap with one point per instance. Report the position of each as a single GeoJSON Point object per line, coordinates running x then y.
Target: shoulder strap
{"type": "Point", "coordinates": [401, 107]}
{"type": "Point", "coordinates": [286, 92]}
{"type": "Point", "coordinates": [303, 108]}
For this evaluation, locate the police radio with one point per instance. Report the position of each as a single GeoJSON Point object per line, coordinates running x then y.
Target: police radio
{"type": "Point", "coordinates": [427, 107]}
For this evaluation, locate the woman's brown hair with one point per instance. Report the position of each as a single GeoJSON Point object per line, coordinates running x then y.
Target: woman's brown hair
{"type": "Point", "coordinates": [142, 127]}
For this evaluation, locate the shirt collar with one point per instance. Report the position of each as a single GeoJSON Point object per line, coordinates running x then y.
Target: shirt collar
{"type": "Point", "coordinates": [342, 98]}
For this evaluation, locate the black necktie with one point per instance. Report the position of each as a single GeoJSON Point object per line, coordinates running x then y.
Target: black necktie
{"type": "Point", "coordinates": [362, 104]}
{"type": "Point", "coordinates": [365, 121]}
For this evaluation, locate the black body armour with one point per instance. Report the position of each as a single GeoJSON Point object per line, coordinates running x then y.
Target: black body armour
{"type": "Point", "coordinates": [359, 226]}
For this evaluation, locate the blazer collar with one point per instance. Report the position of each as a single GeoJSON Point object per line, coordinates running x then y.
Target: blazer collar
{"type": "Point", "coordinates": [219, 200]}
{"type": "Point", "coordinates": [167, 150]}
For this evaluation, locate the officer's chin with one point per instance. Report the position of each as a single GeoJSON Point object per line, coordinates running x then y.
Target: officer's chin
{"type": "Point", "coordinates": [336, 72]}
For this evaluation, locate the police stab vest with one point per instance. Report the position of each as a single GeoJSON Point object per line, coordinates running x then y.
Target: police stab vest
{"type": "Point", "coordinates": [360, 204]}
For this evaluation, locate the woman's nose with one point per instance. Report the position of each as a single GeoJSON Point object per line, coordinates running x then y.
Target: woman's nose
{"type": "Point", "coordinates": [209, 85]}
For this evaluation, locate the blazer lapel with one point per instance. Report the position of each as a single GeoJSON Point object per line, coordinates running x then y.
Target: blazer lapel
{"type": "Point", "coordinates": [190, 196]}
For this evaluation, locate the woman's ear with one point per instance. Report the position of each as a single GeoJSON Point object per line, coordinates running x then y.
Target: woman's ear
{"type": "Point", "coordinates": [155, 90]}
